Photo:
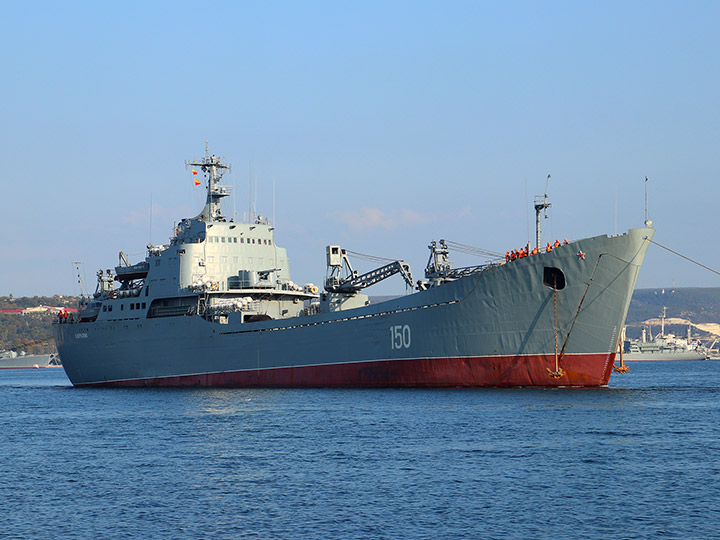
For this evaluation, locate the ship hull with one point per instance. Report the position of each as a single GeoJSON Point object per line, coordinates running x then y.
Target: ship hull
{"type": "Point", "coordinates": [663, 357]}
{"type": "Point", "coordinates": [501, 327]}
{"type": "Point", "coordinates": [27, 361]}
{"type": "Point", "coordinates": [531, 370]}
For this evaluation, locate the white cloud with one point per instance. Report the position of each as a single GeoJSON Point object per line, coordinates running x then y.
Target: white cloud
{"type": "Point", "coordinates": [373, 218]}
{"type": "Point", "coordinates": [364, 218]}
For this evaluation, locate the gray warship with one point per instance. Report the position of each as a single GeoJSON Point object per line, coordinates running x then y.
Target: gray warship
{"type": "Point", "coordinates": [663, 346]}
{"type": "Point", "coordinates": [17, 360]}
{"type": "Point", "coordinates": [216, 307]}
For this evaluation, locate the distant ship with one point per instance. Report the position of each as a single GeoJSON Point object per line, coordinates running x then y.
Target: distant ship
{"type": "Point", "coordinates": [14, 360]}
{"type": "Point", "coordinates": [663, 346]}
{"type": "Point", "coordinates": [216, 307]}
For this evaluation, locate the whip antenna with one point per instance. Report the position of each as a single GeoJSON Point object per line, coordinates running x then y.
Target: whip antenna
{"type": "Point", "coordinates": [648, 222]}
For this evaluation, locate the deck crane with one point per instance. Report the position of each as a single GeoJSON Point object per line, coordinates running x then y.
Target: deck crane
{"type": "Point", "coordinates": [351, 282]}
{"type": "Point", "coordinates": [343, 283]}
{"type": "Point", "coordinates": [440, 270]}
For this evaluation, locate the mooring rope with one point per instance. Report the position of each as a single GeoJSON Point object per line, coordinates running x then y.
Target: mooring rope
{"type": "Point", "coordinates": [683, 256]}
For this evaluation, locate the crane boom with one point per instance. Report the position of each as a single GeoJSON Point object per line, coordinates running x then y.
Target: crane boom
{"type": "Point", "coordinates": [352, 282]}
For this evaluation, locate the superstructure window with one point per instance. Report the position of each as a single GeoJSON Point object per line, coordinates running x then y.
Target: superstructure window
{"type": "Point", "coordinates": [235, 240]}
{"type": "Point", "coordinates": [223, 239]}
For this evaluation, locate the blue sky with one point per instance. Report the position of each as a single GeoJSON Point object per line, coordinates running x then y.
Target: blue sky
{"type": "Point", "coordinates": [383, 125]}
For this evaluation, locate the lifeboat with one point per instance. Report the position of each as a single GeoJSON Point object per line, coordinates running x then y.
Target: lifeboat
{"type": "Point", "coordinates": [132, 272]}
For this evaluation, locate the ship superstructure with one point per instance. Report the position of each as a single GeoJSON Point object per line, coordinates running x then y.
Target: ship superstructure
{"type": "Point", "coordinates": [216, 307]}
{"type": "Point", "coordinates": [213, 267]}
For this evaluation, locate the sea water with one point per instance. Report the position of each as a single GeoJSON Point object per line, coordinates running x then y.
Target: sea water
{"type": "Point", "coordinates": [640, 459]}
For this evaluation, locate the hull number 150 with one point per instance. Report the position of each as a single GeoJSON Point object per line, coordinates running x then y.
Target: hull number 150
{"type": "Point", "coordinates": [399, 337]}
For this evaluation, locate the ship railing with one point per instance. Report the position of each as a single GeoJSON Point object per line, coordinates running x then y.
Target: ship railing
{"type": "Point", "coordinates": [222, 191]}
{"type": "Point", "coordinates": [312, 309]}
{"type": "Point", "coordinates": [66, 317]}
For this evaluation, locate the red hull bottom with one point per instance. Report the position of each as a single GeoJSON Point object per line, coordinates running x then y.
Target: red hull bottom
{"type": "Point", "coordinates": [587, 370]}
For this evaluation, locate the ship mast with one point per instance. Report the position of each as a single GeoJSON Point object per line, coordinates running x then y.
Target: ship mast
{"type": "Point", "coordinates": [541, 204]}
{"type": "Point", "coordinates": [214, 167]}
{"type": "Point", "coordinates": [662, 327]}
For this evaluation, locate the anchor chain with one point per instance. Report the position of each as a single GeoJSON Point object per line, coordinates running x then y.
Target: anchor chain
{"type": "Point", "coordinates": [559, 372]}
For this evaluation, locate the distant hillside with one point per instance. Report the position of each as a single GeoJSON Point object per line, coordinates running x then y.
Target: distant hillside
{"type": "Point", "coordinates": [30, 331]}
{"type": "Point", "coordinates": [700, 306]}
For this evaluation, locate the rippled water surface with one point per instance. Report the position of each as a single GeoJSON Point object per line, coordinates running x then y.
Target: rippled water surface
{"type": "Point", "coordinates": [640, 459]}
